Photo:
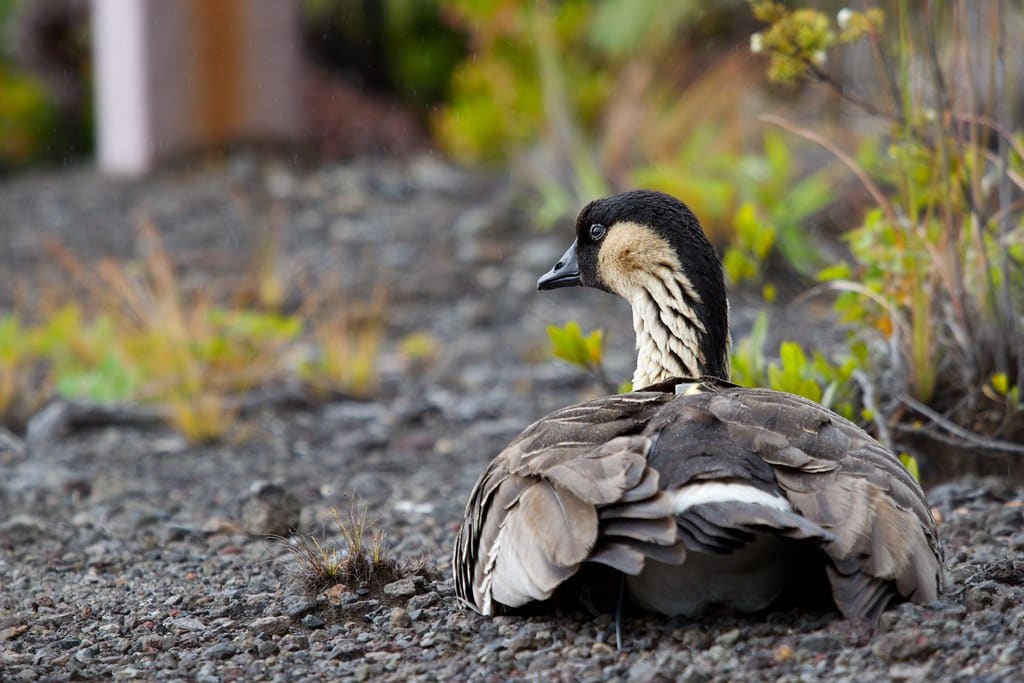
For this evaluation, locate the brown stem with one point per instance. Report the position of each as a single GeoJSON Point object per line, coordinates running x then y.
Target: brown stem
{"type": "Point", "coordinates": [847, 160]}
{"type": "Point", "coordinates": [1008, 313]}
{"type": "Point", "coordinates": [965, 435]}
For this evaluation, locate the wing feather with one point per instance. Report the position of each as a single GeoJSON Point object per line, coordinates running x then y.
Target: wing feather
{"type": "Point", "coordinates": [533, 516]}
{"type": "Point", "coordinates": [841, 479]}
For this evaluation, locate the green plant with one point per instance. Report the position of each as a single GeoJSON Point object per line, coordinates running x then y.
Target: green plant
{"type": "Point", "coordinates": [419, 349]}
{"type": "Point", "coordinates": [760, 198]}
{"type": "Point", "coordinates": [24, 385]}
{"type": "Point", "coordinates": [936, 266]}
{"type": "Point", "coordinates": [586, 351]}
{"type": "Point", "coordinates": [750, 247]}
{"type": "Point", "coordinates": [815, 378]}
{"type": "Point", "coordinates": [45, 103]}
{"type": "Point", "coordinates": [132, 333]}
{"type": "Point", "coordinates": [585, 98]}
{"type": "Point", "coordinates": [910, 462]}
{"type": "Point", "coordinates": [347, 343]}
{"type": "Point", "coordinates": [403, 46]}
{"type": "Point", "coordinates": [28, 117]}
{"type": "Point", "coordinates": [577, 95]}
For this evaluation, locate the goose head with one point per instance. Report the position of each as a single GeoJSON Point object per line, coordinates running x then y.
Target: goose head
{"type": "Point", "coordinates": [649, 248]}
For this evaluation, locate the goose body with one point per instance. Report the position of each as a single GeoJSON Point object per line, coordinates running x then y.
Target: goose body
{"type": "Point", "coordinates": [701, 493]}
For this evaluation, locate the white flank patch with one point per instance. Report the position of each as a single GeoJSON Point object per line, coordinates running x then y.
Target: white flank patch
{"type": "Point", "coordinates": [716, 492]}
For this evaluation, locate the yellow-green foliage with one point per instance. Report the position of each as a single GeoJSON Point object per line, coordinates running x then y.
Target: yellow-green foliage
{"type": "Point", "coordinates": [759, 198]}
{"type": "Point", "coordinates": [584, 350]}
{"type": "Point", "coordinates": [497, 99]}
{"type": "Point", "coordinates": [133, 334]}
{"type": "Point", "coordinates": [26, 118]}
{"type": "Point", "coordinates": [815, 378]}
{"type": "Point", "coordinates": [419, 349]}
{"type": "Point", "coordinates": [585, 98]}
{"type": "Point", "coordinates": [750, 247]}
{"type": "Point", "coordinates": [23, 389]}
{"type": "Point", "coordinates": [910, 462]}
{"type": "Point", "coordinates": [347, 342]}
{"type": "Point", "coordinates": [570, 344]}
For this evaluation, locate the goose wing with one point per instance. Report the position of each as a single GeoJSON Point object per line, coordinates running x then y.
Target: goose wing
{"type": "Point", "coordinates": [573, 487]}
{"type": "Point", "coordinates": [882, 540]}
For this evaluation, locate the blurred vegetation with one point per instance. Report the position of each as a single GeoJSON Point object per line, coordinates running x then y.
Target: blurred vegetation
{"type": "Point", "coordinates": [27, 118]}
{"type": "Point", "coordinates": [585, 350]}
{"type": "Point", "coordinates": [583, 98]}
{"type": "Point", "coordinates": [45, 101]}
{"type": "Point", "coordinates": [586, 98]}
{"type": "Point", "coordinates": [403, 47]}
{"type": "Point", "coordinates": [129, 333]}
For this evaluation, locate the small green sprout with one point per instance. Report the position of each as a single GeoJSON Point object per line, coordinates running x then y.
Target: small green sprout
{"type": "Point", "coordinates": [587, 351]}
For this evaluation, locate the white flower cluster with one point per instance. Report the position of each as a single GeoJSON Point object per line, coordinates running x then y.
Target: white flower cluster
{"type": "Point", "coordinates": [843, 17]}
{"type": "Point", "coordinates": [756, 43]}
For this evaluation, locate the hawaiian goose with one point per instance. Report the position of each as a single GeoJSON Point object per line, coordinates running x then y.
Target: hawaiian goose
{"type": "Point", "coordinates": [701, 493]}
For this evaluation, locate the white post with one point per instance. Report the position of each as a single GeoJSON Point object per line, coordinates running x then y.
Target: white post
{"type": "Point", "coordinates": [176, 75]}
{"type": "Point", "coordinates": [123, 135]}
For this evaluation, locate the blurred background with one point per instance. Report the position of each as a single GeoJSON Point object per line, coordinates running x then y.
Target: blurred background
{"type": "Point", "coordinates": [864, 162]}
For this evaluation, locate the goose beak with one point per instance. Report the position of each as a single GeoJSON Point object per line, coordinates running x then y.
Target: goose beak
{"type": "Point", "coordinates": [566, 272]}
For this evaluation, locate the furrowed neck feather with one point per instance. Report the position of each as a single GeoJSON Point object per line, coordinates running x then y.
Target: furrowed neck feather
{"type": "Point", "coordinates": [671, 338]}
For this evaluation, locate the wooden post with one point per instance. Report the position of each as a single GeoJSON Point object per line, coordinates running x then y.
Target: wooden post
{"type": "Point", "coordinates": [173, 76]}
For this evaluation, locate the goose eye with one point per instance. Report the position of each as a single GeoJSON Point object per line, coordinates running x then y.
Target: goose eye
{"type": "Point", "coordinates": [597, 231]}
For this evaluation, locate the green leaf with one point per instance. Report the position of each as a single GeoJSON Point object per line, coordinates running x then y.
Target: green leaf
{"type": "Point", "coordinates": [794, 361]}
{"type": "Point", "coordinates": [779, 157]}
{"type": "Point", "coordinates": [748, 361]}
{"type": "Point", "coordinates": [839, 271]}
{"type": "Point", "coordinates": [569, 344]}
{"type": "Point", "coordinates": [109, 381]}
{"type": "Point", "coordinates": [910, 462]}
{"type": "Point", "coordinates": [738, 266]}
{"type": "Point", "coordinates": [594, 343]}
{"type": "Point", "coordinates": [746, 223]}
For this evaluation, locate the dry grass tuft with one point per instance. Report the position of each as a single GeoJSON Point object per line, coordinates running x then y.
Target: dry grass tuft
{"type": "Point", "coordinates": [364, 562]}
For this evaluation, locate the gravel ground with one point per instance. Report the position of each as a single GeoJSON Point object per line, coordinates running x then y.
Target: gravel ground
{"type": "Point", "coordinates": [127, 554]}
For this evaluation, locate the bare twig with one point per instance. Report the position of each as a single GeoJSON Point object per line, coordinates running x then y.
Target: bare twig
{"type": "Point", "coordinates": [956, 285]}
{"type": "Point", "coordinates": [898, 322]}
{"type": "Point", "coordinates": [1008, 313]}
{"type": "Point", "coordinates": [844, 92]}
{"type": "Point", "coordinates": [890, 75]}
{"type": "Point", "coordinates": [966, 436]}
{"type": "Point", "coordinates": [1004, 133]}
{"type": "Point", "coordinates": [867, 397]}
{"type": "Point", "coordinates": [11, 441]}
{"type": "Point", "coordinates": [847, 160]}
